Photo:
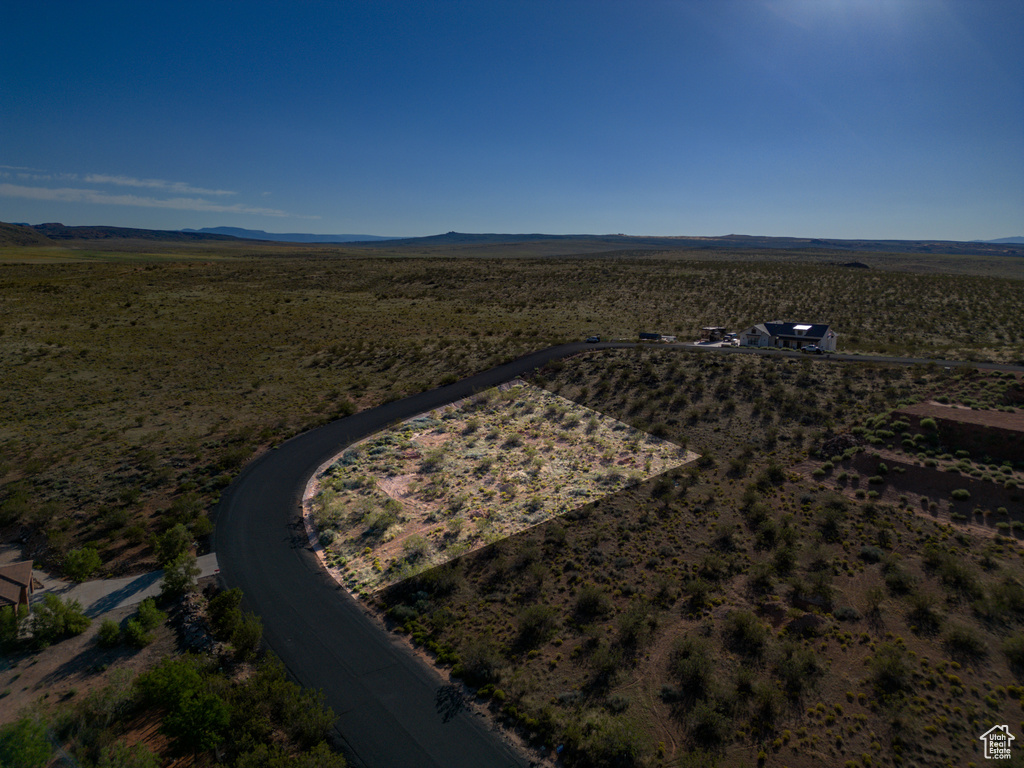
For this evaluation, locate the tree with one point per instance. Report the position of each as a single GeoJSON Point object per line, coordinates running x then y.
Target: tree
{"type": "Point", "coordinates": [82, 563]}
{"type": "Point", "coordinates": [10, 624]}
{"type": "Point", "coordinates": [180, 575]}
{"type": "Point", "coordinates": [171, 544]}
{"type": "Point", "coordinates": [198, 723]}
{"type": "Point", "coordinates": [247, 635]}
{"type": "Point", "coordinates": [24, 744]}
{"type": "Point", "coordinates": [224, 613]}
{"type": "Point", "coordinates": [166, 684]}
{"type": "Point", "coordinates": [55, 619]}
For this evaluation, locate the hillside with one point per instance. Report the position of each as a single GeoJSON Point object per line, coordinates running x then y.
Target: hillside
{"type": "Point", "coordinates": [20, 234]}
{"type": "Point", "coordinates": [55, 231]}
{"type": "Point", "coordinates": [284, 237]}
{"type": "Point", "coordinates": [534, 244]}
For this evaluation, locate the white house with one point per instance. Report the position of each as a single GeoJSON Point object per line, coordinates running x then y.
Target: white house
{"type": "Point", "coordinates": [789, 335]}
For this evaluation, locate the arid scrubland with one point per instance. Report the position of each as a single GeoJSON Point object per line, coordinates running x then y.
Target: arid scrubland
{"type": "Point", "coordinates": [769, 603]}
{"type": "Point", "coordinates": [740, 610]}
{"type": "Point", "coordinates": [133, 390]}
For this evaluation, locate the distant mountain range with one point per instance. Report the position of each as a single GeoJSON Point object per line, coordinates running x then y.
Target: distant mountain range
{"type": "Point", "coordinates": [285, 237]}
{"type": "Point", "coordinates": [43, 234]}
{"type": "Point", "coordinates": [1005, 240]}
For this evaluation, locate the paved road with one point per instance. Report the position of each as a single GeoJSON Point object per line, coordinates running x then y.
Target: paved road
{"type": "Point", "coordinates": [102, 595]}
{"type": "Point", "coordinates": [393, 710]}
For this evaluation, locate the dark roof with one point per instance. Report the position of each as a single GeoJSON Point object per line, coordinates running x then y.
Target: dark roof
{"type": "Point", "coordinates": [13, 579]}
{"type": "Point", "coordinates": [788, 330]}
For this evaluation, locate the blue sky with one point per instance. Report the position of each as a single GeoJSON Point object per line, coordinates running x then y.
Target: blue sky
{"type": "Point", "coordinates": [818, 118]}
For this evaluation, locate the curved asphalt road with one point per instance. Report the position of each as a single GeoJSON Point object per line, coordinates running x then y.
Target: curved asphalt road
{"type": "Point", "coordinates": [393, 711]}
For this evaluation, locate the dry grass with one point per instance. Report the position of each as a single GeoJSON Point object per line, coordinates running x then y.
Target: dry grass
{"type": "Point", "coordinates": [735, 608]}
{"type": "Point", "coordinates": [132, 386]}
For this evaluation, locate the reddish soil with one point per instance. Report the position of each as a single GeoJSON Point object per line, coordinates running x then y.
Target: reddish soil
{"type": "Point", "coordinates": [997, 434]}
{"type": "Point", "coordinates": [923, 486]}
{"type": "Point", "coordinates": [1013, 422]}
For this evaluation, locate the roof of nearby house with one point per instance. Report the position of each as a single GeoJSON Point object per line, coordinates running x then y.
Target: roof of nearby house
{"type": "Point", "coordinates": [810, 330]}
{"type": "Point", "coordinates": [14, 578]}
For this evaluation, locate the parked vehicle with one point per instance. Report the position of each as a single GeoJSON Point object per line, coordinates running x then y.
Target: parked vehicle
{"type": "Point", "coordinates": [593, 339]}
{"type": "Point", "coordinates": [812, 349]}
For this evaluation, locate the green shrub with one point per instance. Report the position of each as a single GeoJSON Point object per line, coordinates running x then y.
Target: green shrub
{"type": "Point", "coordinates": [119, 755]}
{"type": "Point", "coordinates": [960, 494]}
{"type": "Point", "coordinates": [224, 613]}
{"type": "Point", "coordinates": [708, 727]}
{"type": "Point", "coordinates": [54, 619]}
{"type": "Point", "coordinates": [1013, 649]}
{"type": "Point", "coordinates": [11, 618]}
{"type": "Point", "coordinates": [24, 744]}
{"type": "Point", "coordinates": [923, 613]}
{"type": "Point", "coordinates": [871, 554]}
{"type": "Point", "coordinates": [964, 643]}
{"type": "Point", "coordinates": [536, 624]}
{"type": "Point", "coordinates": [80, 564]}
{"type": "Point", "coordinates": [890, 670]}
{"type": "Point", "coordinates": [109, 634]}
{"type": "Point", "coordinates": [247, 636]}
{"type": "Point", "coordinates": [692, 664]}
{"type": "Point", "coordinates": [897, 579]}
{"type": "Point", "coordinates": [745, 633]}
{"type": "Point", "coordinates": [136, 635]}
{"type": "Point", "coordinates": [592, 602]}
{"type": "Point", "coordinates": [149, 616]}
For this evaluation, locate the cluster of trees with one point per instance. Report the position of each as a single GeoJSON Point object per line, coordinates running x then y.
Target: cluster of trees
{"type": "Point", "coordinates": [252, 716]}
{"type": "Point", "coordinates": [52, 620]}
{"type": "Point", "coordinates": [263, 721]}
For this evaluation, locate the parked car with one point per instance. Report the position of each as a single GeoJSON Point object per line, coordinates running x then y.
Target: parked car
{"type": "Point", "coordinates": [812, 349]}
{"type": "Point", "coordinates": [593, 339]}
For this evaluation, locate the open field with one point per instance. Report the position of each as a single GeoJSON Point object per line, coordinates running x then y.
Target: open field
{"type": "Point", "coordinates": [741, 610]}
{"type": "Point", "coordinates": [133, 390]}
{"type": "Point", "coordinates": [449, 482]}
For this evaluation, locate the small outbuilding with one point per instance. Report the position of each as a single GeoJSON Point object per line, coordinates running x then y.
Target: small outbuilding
{"type": "Point", "coordinates": [787, 335]}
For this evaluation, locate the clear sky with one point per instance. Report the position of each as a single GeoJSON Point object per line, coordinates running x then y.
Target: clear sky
{"type": "Point", "coordinates": [818, 118]}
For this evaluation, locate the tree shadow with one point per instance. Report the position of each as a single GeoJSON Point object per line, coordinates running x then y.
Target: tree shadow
{"type": "Point", "coordinates": [449, 701]}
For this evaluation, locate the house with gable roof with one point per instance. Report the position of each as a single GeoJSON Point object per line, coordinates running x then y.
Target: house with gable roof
{"type": "Point", "coordinates": [16, 584]}
{"type": "Point", "coordinates": [785, 335]}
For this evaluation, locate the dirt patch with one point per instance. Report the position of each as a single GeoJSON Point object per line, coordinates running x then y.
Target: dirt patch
{"type": "Point", "coordinates": [454, 480]}
{"type": "Point", "coordinates": [74, 667]}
